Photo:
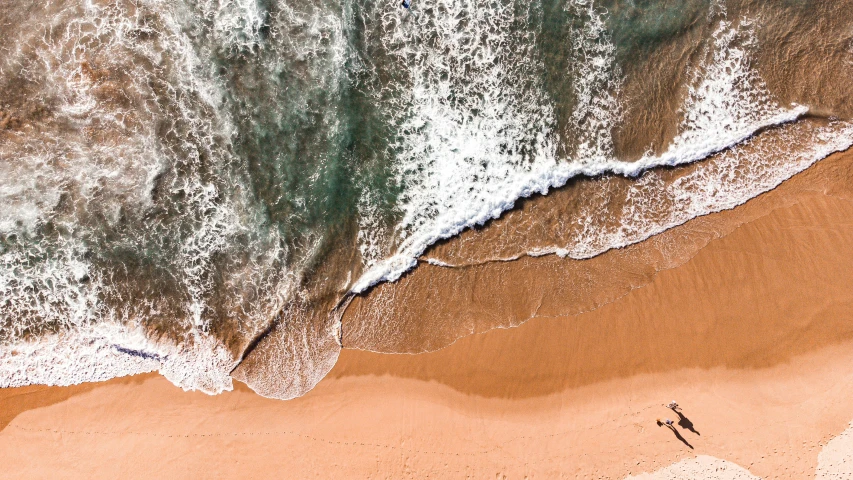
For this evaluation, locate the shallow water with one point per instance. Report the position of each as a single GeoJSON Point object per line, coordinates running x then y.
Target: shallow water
{"type": "Point", "coordinates": [198, 187]}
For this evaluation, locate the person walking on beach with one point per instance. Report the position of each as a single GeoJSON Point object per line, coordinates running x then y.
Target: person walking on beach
{"type": "Point", "coordinates": [673, 406]}
{"type": "Point", "coordinates": [671, 425]}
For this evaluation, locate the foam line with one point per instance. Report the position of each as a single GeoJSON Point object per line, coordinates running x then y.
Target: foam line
{"type": "Point", "coordinates": [455, 164]}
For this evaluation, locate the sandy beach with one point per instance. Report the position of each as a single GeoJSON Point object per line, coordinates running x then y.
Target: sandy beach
{"type": "Point", "coordinates": [426, 239]}
{"type": "Point", "coordinates": [751, 334]}
{"type": "Point", "coordinates": [771, 421]}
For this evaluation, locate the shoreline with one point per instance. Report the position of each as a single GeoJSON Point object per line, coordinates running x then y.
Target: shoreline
{"type": "Point", "coordinates": [438, 303]}
{"type": "Point", "coordinates": [773, 422]}
{"type": "Point", "coordinates": [751, 334]}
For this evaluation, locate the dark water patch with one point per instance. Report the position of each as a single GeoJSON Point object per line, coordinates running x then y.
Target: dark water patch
{"type": "Point", "coordinates": [640, 26]}
{"type": "Point", "coordinates": [136, 353]}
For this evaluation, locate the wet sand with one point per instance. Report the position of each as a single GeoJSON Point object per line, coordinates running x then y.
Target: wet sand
{"type": "Point", "coordinates": [751, 334]}
{"type": "Point", "coordinates": [436, 304]}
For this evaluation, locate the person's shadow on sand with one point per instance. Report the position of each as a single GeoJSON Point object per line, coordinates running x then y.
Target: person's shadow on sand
{"type": "Point", "coordinates": [677, 435]}
{"type": "Point", "coordinates": [685, 423]}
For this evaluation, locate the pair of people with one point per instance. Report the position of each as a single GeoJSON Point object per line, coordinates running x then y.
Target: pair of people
{"type": "Point", "coordinates": [675, 408]}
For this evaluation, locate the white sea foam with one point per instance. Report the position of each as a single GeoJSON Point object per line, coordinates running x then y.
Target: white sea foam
{"type": "Point", "coordinates": [467, 130]}
{"type": "Point", "coordinates": [598, 82]}
{"type": "Point", "coordinates": [207, 240]}
{"type": "Point", "coordinates": [26, 194]}
{"type": "Point", "coordinates": [437, 263]}
{"type": "Point", "coordinates": [453, 171]}
{"type": "Point", "coordinates": [106, 350]}
{"type": "Point", "coordinates": [236, 23]}
{"type": "Point", "coordinates": [52, 290]}
{"type": "Point", "coordinates": [371, 231]}
{"type": "Point", "coordinates": [50, 284]}
{"type": "Point", "coordinates": [734, 178]}
{"type": "Point", "coordinates": [727, 103]}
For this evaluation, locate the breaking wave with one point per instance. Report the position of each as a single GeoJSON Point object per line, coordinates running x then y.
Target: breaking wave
{"type": "Point", "coordinates": [197, 187]}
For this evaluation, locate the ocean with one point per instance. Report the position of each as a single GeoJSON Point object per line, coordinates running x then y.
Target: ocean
{"type": "Point", "coordinates": [200, 188]}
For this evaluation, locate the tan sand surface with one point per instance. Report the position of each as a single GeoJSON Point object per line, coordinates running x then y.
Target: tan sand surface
{"type": "Point", "coordinates": [771, 421]}
{"type": "Point", "coordinates": [752, 335]}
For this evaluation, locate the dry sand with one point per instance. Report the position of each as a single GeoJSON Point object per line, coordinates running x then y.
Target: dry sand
{"type": "Point", "coordinates": [836, 459]}
{"type": "Point", "coordinates": [751, 334]}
